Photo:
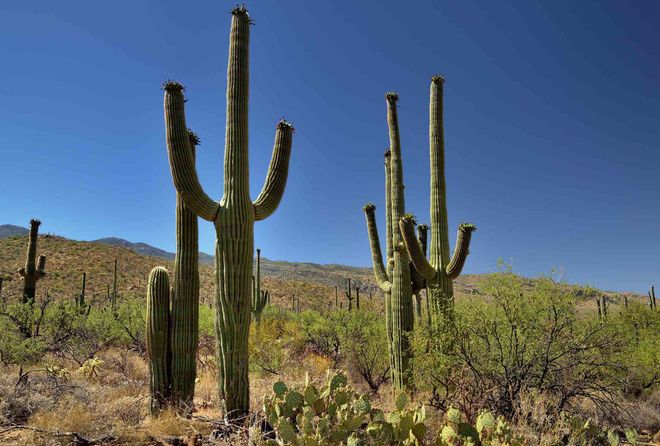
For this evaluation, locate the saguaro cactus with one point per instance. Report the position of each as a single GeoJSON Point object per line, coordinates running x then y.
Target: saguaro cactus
{"type": "Point", "coordinates": [439, 271]}
{"type": "Point", "coordinates": [158, 338]}
{"type": "Point", "coordinates": [234, 215]}
{"type": "Point", "coordinates": [349, 294]}
{"type": "Point", "coordinates": [81, 298]}
{"type": "Point", "coordinates": [185, 302]}
{"type": "Point", "coordinates": [259, 297]}
{"type": "Point", "coordinates": [31, 273]}
{"type": "Point", "coordinates": [394, 280]}
{"type": "Point", "coordinates": [652, 302]}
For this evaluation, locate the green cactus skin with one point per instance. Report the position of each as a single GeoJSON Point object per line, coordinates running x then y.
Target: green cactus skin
{"type": "Point", "coordinates": [349, 294]}
{"type": "Point", "coordinates": [185, 302]}
{"type": "Point", "coordinates": [259, 297]}
{"type": "Point", "coordinates": [31, 273]}
{"type": "Point", "coordinates": [422, 237]}
{"type": "Point", "coordinates": [234, 215]}
{"type": "Point", "coordinates": [652, 302]}
{"type": "Point", "coordinates": [439, 271]}
{"type": "Point", "coordinates": [81, 298]}
{"type": "Point", "coordinates": [158, 338]}
{"type": "Point", "coordinates": [114, 289]}
{"type": "Point", "coordinates": [394, 279]}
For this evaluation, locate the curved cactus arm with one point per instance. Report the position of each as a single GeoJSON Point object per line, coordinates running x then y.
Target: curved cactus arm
{"type": "Point", "coordinates": [182, 163]}
{"type": "Point", "coordinates": [376, 256]}
{"type": "Point", "coordinates": [417, 257]}
{"type": "Point", "coordinates": [273, 189]}
{"type": "Point", "coordinates": [461, 251]}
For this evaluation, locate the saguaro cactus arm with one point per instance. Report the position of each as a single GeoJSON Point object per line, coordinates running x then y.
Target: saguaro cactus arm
{"type": "Point", "coordinates": [182, 162]}
{"type": "Point", "coordinates": [273, 189]}
{"type": "Point", "coordinates": [376, 255]}
{"type": "Point", "coordinates": [41, 267]}
{"type": "Point", "coordinates": [461, 251]}
{"type": "Point", "coordinates": [417, 256]}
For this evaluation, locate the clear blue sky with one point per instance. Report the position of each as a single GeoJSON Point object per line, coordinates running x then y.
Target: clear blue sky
{"type": "Point", "coordinates": [552, 123]}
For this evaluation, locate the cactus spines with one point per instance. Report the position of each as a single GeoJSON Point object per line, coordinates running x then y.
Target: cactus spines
{"type": "Point", "coordinates": [440, 270]}
{"type": "Point", "coordinates": [234, 215]}
{"type": "Point", "coordinates": [158, 338]}
{"type": "Point", "coordinates": [259, 297]}
{"type": "Point", "coordinates": [185, 302]}
{"type": "Point", "coordinates": [394, 277]}
{"type": "Point", "coordinates": [34, 269]}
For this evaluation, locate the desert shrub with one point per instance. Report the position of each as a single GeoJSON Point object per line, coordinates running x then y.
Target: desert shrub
{"type": "Point", "coordinates": [523, 340]}
{"type": "Point", "coordinates": [364, 347]}
{"type": "Point", "coordinates": [274, 342]}
{"type": "Point", "coordinates": [322, 332]}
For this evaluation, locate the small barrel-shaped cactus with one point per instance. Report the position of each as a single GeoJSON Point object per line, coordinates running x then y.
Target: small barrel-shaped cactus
{"type": "Point", "coordinates": [158, 338]}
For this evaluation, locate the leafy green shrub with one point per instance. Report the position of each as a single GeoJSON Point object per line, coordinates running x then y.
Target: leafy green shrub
{"type": "Point", "coordinates": [274, 342]}
{"type": "Point", "coordinates": [526, 339]}
{"type": "Point", "coordinates": [334, 414]}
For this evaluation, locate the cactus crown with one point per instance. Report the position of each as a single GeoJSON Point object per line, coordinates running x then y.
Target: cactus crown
{"type": "Point", "coordinates": [35, 222]}
{"type": "Point", "coordinates": [369, 207]}
{"type": "Point", "coordinates": [391, 96]}
{"type": "Point", "coordinates": [409, 217]}
{"type": "Point", "coordinates": [468, 227]}
{"type": "Point", "coordinates": [194, 138]}
{"type": "Point", "coordinates": [283, 123]}
{"type": "Point", "coordinates": [239, 10]}
{"type": "Point", "coordinates": [172, 85]}
{"type": "Point", "coordinates": [423, 227]}
{"type": "Point", "coordinates": [438, 79]}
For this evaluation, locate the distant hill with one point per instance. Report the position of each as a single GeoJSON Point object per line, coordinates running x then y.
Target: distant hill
{"type": "Point", "coordinates": [12, 231]}
{"type": "Point", "coordinates": [68, 259]}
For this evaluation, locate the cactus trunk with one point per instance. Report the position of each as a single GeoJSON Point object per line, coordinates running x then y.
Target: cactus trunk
{"type": "Point", "coordinates": [441, 269]}
{"type": "Point", "coordinates": [33, 270]}
{"type": "Point", "coordinates": [185, 304]}
{"type": "Point", "coordinates": [234, 215]}
{"type": "Point", "coordinates": [394, 277]}
{"type": "Point", "coordinates": [158, 338]}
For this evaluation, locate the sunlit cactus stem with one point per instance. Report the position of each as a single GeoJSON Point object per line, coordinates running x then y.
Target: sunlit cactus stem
{"type": "Point", "coordinates": [439, 271]}
{"type": "Point", "coordinates": [34, 269]}
{"type": "Point", "coordinates": [652, 302]}
{"type": "Point", "coordinates": [259, 297]}
{"type": "Point", "coordinates": [185, 302]}
{"type": "Point", "coordinates": [234, 215]}
{"type": "Point", "coordinates": [393, 274]}
{"type": "Point", "coordinates": [158, 339]}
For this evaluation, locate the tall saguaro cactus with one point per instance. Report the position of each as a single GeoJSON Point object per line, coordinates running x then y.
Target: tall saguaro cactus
{"type": "Point", "coordinates": [34, 269]}
{"type": "Point", "coordinates": [234, 215]}
{"type": "Point", "coordinates": [185, 302]}
{"type": "Point", "coordinates": [158, 339]}
{"type": "Point", "coordinates": [394, 279]}
{"type": "Point", "coordinates": [439, 271]}
{"type": "Point", "coordinates": [259, 297]}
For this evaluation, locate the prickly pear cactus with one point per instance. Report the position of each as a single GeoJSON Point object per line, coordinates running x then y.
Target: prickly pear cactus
{"type": "Point", "coordinates": [334, 414]}
{"type": "Point", "coordinates": [489, 431]}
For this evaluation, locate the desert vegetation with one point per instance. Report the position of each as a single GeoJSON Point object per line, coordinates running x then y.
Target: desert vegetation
{"type": "Point", "coordinates": [105, 346]}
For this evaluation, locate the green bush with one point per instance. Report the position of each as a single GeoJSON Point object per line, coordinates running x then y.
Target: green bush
{"type": "Point", "coordinates": [527, 339]}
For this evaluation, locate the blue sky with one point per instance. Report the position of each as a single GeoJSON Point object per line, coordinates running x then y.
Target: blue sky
{"type": "Point", "coordinates": [551, 121]}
